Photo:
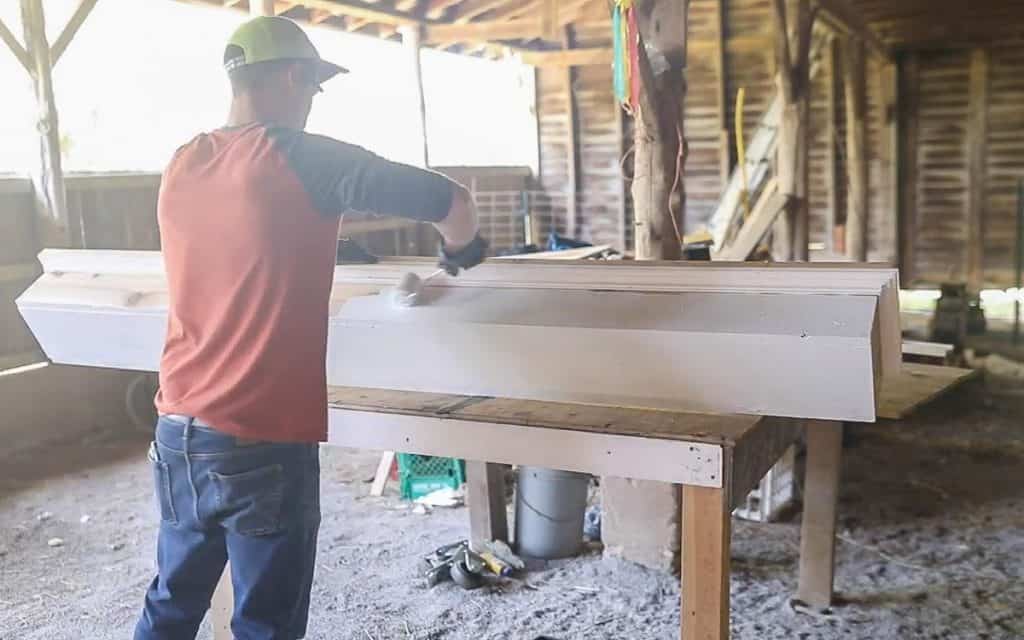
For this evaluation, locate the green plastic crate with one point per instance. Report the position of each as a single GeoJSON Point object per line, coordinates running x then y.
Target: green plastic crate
{"type": "Point", "coordinates": [419, 475]}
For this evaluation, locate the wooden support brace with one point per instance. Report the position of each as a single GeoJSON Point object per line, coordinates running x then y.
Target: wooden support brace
{"type": "Point", "coordinates": [818, 529]}
{"type": "Point", "coordinates": [485, 491]}
{"type": "Point", "coordinates": [72, 27]}
{"type": "Point", "coordinates": [705, 571]}
{"type": "Point", "coordinates": [855, 83]}
{"type": "Point", "coordinates": [15, 46]}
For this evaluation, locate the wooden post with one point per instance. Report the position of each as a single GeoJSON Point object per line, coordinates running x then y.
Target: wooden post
{"type": "Point", "coordinates": [485, 492]}
{"type": "Point", "coordinates": [48, 175]}
{"type": "Point", "coordinates": [832, 145]}
{"type": "Point", "coordinates": [818, 528]}
{"type": "Point", "coordinates": [659, 148]}
{"type": "Point", "coordinates": [261, 7]}
{"type": "Point", "coordinates": [909, 82]}
{"type": "Point", "coordinates": [572, 141]}
{"type": "Point", "coordinates": [792, 56]}
{"type": "Point", "coordinates": [977, 145]}
{"type": "Point", "coordinates": [706, 539]}
{"type": "Point", "coordinates": [855, 84]}
{"type": "Point", "coordinates": [411, 40]}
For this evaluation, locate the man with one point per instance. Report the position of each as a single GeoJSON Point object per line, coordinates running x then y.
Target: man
{"type": "Point", "coordinates": [249, 220]}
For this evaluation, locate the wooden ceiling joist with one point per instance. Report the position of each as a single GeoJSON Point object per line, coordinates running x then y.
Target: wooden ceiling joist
{"type": "Point", "coordinates": [363, 10]}
{"type": "Point", "coordinates": [482, 31]}
{"type": "Point", "coordinates": [14, 45]}
{"type": "Point", "coordinates": [844, 17]}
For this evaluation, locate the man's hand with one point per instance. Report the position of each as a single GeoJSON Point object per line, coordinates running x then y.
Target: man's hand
{"type": "Point", "coordinates": [466, 257]}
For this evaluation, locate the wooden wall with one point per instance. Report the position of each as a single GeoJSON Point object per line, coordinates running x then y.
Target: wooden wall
{"type": "Point", "coordinates": [963, 107]}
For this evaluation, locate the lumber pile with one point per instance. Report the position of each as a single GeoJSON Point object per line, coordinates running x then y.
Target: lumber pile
{"type": "Point", "coordinates": [796, 340]}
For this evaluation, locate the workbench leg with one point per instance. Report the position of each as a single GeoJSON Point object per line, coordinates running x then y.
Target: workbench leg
{"type": "Point", "coordinates": [818, 530]}
{"type": "Point", "coordinates": [485, 492]}
{"type": "Point", "coordinates": [705, 572]}
{"type": "Point", "coordinates": [222, 606]}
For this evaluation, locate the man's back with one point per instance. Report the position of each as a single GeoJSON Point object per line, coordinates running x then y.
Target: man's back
{"type": "Point", "coordinates": [249, 261]}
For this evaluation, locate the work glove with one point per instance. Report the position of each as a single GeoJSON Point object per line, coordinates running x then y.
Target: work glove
{"type": "Point", "coordinates": [465, 258]}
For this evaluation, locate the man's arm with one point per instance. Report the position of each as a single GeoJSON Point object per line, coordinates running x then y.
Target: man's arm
{"type": "Point", "coordinates": [341, 177]}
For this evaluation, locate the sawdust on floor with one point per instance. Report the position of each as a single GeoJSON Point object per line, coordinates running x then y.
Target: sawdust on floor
{"type": "Point", "coordinates": [931, 546]}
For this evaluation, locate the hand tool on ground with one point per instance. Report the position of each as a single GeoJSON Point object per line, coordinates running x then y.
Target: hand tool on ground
{"type": "Point", "coordinates": [457, 563]}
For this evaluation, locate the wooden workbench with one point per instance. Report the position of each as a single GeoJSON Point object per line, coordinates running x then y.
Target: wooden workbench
{"type": "Point", "coordinates": [716, 458]}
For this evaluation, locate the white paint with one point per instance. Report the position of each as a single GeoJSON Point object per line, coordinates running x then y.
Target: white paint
{"type": "Point", "coordinates": [692, 463]}
{"type": "Point", "coordinates": [647, 336]}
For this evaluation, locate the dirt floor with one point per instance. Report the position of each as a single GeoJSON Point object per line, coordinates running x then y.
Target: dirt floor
{"type": "Point", "coordinates": [931, 546]}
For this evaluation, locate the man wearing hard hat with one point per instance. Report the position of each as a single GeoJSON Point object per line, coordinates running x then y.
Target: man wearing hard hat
{"type": "Point", "coordinates": [249, 219]}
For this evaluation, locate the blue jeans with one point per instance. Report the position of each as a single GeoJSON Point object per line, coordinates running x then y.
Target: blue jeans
{"type": "Point", "coordinates": [221, 497]}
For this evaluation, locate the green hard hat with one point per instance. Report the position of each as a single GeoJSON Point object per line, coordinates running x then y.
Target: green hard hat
{"type": "Point", "coordinates": [269, 38]}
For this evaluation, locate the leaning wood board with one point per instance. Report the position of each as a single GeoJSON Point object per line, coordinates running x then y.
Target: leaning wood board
{"type": "Point", "coordinates": [871, 279]}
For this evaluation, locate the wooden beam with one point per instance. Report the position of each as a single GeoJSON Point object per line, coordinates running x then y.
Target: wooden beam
{"type": "Point", "coordinates": [15, 47]}
{"type": "Point", "coordinates": [567, 57]}
{"type": "Point", "coordinates": [769, 205]}
{"type": "Point", "coordinates": [840, 14]}
{"type": "Point", "coordinates": [411, 42]}
{"type": "Point", "coordinates": [818, 525]}
{"type": "Point", "coordinates": [436, 8]}
{"type": "Point", "coordinates": [70, 29]}
{"type": "Point", "coordinates": [364, 10]}
{"type": "Point", "coordinates": [706, 540]}
{"type": "Point", "coordinates": [481, 31]}
{"type": "Point", "coordinates": [855, 85]}
{"type": "Point", "coordinates": [909, 91]}
{"type": "Point", "coordinates": [977, 137]}
{"type": "Point", "coordinates": [48, 175]}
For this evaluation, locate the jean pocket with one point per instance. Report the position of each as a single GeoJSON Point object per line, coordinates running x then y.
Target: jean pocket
{"type": "Point", "coordinates": [162, 485]}
{"type": "Point", "coordinates": [250, 503]}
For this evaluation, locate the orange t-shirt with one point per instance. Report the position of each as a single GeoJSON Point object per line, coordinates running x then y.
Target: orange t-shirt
{"type": "Point", "coordinates": [248, 226]}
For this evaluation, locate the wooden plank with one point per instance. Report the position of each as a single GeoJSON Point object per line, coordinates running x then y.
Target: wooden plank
{"type": "Point", "coordinates": [718, 429]}
{"type": "Point", "coordinates": [363, 10]}
{"type": "Point", "coordinates": [706, 532]}
{"type": "Point", "coordinates": [935, 350]}
{"type": "Point", "coordinates": [721, 94]}
{"type": "Point", "coordinates": [70, 29]}
{"type": "Point", "coordinates": [770, 204]}
{"type": "Point", "coordinates": [135, 280]}
{"type": "Point", "coordinates": [485, 492]}
{"type": "Point", "coordinates": [380, 478]}
{"type": "Point", "coordinates": [559, 345]}
{"type": "Point", "coordinates": [917, 385]}
{"type": "Point", "coordinates": [369, 225]}
{"type": "Point", "coordinates": [909, 79]}
{"type": "Point", "coordinates": [977, 145]}
{"type": "Point", "coordinates": [483, 31]}
{"type": "Point", "coordinates": [855, 83]}
{"type": "Point", "coordinates": [818, 525]}
{"type": "Point", "coordinates": [15, 47]}
{"type": "Point", "coordinates": [645, 458]}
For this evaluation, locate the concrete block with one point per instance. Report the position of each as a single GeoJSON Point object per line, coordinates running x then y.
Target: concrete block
{"type": "Point", "coordinates": [640, 522]}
